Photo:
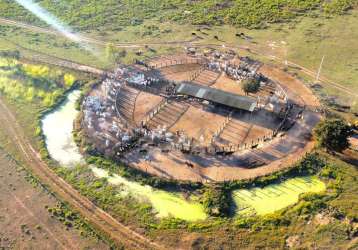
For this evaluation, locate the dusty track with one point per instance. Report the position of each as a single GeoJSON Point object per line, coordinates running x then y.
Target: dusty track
{"type": "Point", "coordinates": [97, 217]}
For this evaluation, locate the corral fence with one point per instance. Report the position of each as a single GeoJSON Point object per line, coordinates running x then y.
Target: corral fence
{"type": "Point", "coordinates": [195, 75]}
{"type": "Point", "coordinates": [145, 88]}
{"type": "Point", "coordinates": [221, 150]}
{"type": "Point", "coordinates": [172, 62]}
{"type": "Point", "coordinates": [153, 112]}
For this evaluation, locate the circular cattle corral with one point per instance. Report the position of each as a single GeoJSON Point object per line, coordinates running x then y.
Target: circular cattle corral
{"type": "Point", "coordinates": [186, 117]}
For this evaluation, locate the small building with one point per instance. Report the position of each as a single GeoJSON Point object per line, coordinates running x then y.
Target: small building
{"type": "Point", "coordinates": [217, 96]}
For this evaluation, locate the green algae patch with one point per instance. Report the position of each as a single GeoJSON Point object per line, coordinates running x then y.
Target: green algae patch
{"type": "Point", "coordinates": [274, 197]}
{"type": "Point", "coordinates": [164, 203]}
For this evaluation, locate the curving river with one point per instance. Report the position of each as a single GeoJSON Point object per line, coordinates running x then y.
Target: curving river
{"type": "Point", "coordinates": [58, 125]}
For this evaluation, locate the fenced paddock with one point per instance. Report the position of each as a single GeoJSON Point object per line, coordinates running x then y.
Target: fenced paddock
{"type": "Point", "coordinates": [205, 77]}
{"type": "Point", "coordinates": [161, 62]}
{"type": "Point", "coordinates": [125, 103]}
{"type": "Point", "coordinates": [165, 115]}
{"type": "Point", "coordinates": [179, 72]}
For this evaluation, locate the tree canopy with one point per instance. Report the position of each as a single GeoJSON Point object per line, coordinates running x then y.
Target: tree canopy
{"type": "Point", "coordinates": [250, 85]}
{"type": "Point", "coordinates": [333, 134]}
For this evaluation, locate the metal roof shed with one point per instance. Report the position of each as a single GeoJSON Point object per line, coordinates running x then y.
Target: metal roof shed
{"type": "Point", "coordinates": [217, 96]}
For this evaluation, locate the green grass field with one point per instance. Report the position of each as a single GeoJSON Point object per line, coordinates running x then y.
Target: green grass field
{"type": "Point", "coordinates": [304, 41]}
{"type": "Point", "coordinates": [113, 15]}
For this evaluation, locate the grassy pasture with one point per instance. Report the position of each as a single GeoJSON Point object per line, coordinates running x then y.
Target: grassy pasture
{"type": "Point", "coordinates": [303, 41]}
{"type": "Point", "coordinates": [113, 15]}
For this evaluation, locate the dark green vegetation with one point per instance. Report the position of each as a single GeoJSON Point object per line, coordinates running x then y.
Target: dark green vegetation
{"type": "Point", "coordinates": [339, 204]}
{"type": "Point", "coordinates": [112, 14]}
{"type": "Point", "coordinates": [250, 85]}
{"type": "Point", "coordinates": [217, 201]}
{"type": "Point", "coordinates": [333, 134]}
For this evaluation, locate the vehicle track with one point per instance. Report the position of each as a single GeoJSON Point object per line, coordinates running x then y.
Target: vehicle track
{"type": "Point", "coordinates": [99, 218]}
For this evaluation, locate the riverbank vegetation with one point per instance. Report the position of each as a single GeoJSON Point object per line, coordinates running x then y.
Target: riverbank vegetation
{"type": "Point", "coordinates": [33, 83]}
{"type": "Point", "coordinates": [337, 203]}
{"type": "Point", "coordinates": [31, 89]}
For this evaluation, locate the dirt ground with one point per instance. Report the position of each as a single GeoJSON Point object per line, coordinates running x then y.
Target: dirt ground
{"type": "Point", "coordinates": [195, 123]}
{"type": "Point", "coordinates": [144, 103]}
{"type": "Point", "coordinates": [25, 223]}
{"type": "Point", "coordinates": [179, 72]}
{"type": "Point", "coordinates": [229, 85]}
{"type": "Point", "coordinates": [297, 91]}
{"type": "Point", "coordinates": [243, 130]}
{"type": "Point", "coordinates": [271, 156]}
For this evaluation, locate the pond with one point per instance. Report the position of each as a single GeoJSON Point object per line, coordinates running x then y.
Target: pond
{"type": "Point", "coordinates": [274, 197]}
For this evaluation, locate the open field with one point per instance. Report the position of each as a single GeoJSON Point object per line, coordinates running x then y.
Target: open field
{"type": "Point", "coordinates": [256, 15]}
{"type": "Point", "coordinates": [304, 42]}
{"type": "Point", "coordinates": [25, 222]}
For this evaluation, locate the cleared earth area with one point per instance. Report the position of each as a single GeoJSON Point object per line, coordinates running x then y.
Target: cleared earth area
{"type": "Point", "coordinates": [211, 130]}
{"type": "Point", "coordinates": [25, 222]}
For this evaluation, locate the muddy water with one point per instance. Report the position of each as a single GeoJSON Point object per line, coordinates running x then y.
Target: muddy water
{"type": "Point", "coordinates": [57, 127]}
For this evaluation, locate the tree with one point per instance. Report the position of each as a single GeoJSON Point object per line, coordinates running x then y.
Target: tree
{"type": "Point", "coordinates": [333, 134]}
{"type": "Point", "coordinates": [250, 85]}
{"type": "Point", "coordinates": [216, 201]}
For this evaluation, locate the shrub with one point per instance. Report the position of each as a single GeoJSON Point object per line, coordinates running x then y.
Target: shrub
{"type": "Point", "coordinates": [217, 201]}
{"type": "Point", "coordinates": [250, 85]}
{"type": "Point", "coordinates": [333, 134]}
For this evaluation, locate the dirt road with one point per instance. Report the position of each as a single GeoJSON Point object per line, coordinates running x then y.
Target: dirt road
{"type": "Point", "coordinates": [96, 216]}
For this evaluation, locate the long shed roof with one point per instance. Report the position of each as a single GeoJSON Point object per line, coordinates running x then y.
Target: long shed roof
{"type": "Point", "coordinates": [217, 96]}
